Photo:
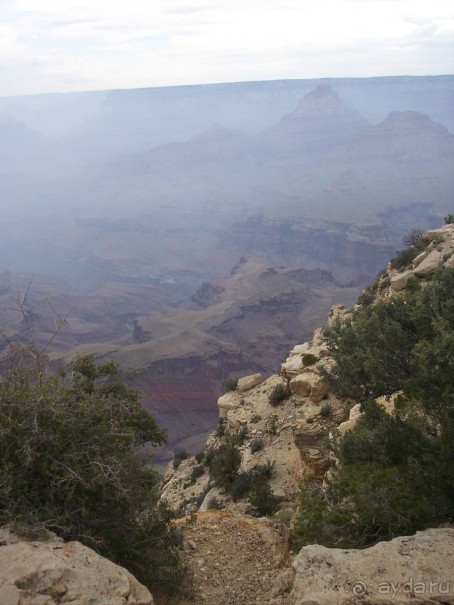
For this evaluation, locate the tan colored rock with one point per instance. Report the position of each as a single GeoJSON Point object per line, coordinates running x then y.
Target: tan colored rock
{"type": "Point", "coordinates": [309, 385]}
{"type": "Point", "coordinates": [410, 569]}
{"type": "Point", "coordinates": [50, 572]}
{"type": "Point", "coordinates": [418, 259]}
{"type": "Point", "coordinates": [319, 390]}
{"type": "Point", "coordinates": [248, 382]}
{"type": "Point", "coordinates": [399, 281]}
{"type": "Point", "coordinates": [441, 231]}
{"type": "Point", "coordinates": [229, 401]}
{"type": "Point", "coordinates": [429, 265]}
{"type": "Point", "coordinates": [309, 438]}
{"type": "Point", "coordinates": [302, 384]}
{"type": "Point", "coordinates": [355, 415]}
{"type": "Point", "coordinates": [292, 367]}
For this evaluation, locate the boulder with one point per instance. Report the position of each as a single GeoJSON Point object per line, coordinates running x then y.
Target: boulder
{"type": "Point", "coordinates": [348, 425]}
{"type": "Point", "coordinates": [409, 569]}
{"type": "Point", "coordinates": [429, 265]}
{"type": "Point", "coordinates": [302, 384]}
{"type": "Point", "coordinates": [48, 572]}
{"type": "Point", "coordinates": [399, 281]}
{"type": "Point", "coordinates": [309, 385]}
{"type": "Point", "coordinates": [248, 382]}
{"type": "Point", "coordinates": [229, 401]}
{"type": "Point", "coordinates": [292, 367]}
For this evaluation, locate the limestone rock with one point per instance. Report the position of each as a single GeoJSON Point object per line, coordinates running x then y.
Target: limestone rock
{"type": "Point", "coordinates": [399, 281]}
{"type": "Point", "coordinates": [229, 401]}
{"type": "Point", "coordinates": [310, 441]}
{"type": "Point", "coordinates": [52, 571]}
{"type": "Point", "coordinates": [444, 230]}
{"type": "Point", "coordinates": [309, 385]}
{"type": "Point", "coordinates": [302, 384]}
{"type": "Point", "coordinates": [248, 382]}
{"type": "Point", "coordinates": [355, 415]}
{"type": "Point", "coordinates": [409, 569]}
{"type": "Point", "coordinates": [429, 265]}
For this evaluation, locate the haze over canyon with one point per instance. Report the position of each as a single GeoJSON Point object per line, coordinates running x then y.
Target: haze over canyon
{"type": "Point", "coordinates": [197, 232]}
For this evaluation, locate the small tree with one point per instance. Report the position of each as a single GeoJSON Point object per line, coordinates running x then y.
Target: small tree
{"type": "Point", "coordinates": [261, 498]}
{"type": "Point", "coordinates": [224, 464]}
{"type": "Point", "coordinates": [70, 463]}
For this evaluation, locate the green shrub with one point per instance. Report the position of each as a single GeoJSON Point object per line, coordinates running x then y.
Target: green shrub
{"type": "Point", "coordinates": [449, 219]}
{"type": "Point", "coordinates": [404, 257]}
{"type": "Point", "coordinates": [229, 384]}
{"type": "Point", "coordinates": [199, 457]}
{"type": "Point", "coordinates": [395, 473]}
{"type": "Point", "coordinates": [256, 445]}
{"type": "Point", "coordinates": [263, 471]}
{"type": "Point", "coordinates": [208, 457]}
{"type": "Point", "coordinates": [326, 410]}
{"type": "Point", "coordinates": [309, 359]}
{"type": "Point", "coordinates": [261, 498]}
{"type": "Point", "coordinates": [224, 464]}
{"type": "Point", "coordinates": [240, 486]}
{"type": "Point", "coordinates": [179, 457]}
{"type": "Point", "coordinates": [197, 472]}
{"type": "Point", "coordinates": [214, 504]}
{"type": "Point", "coordinates": [255, 418]}
{"type": "Point", "coordinates": [220, 428]}
{"type": "Point", "coordinates": [69, 464]}
{"type": "Point", "coordinates": [278, 395]}
{"type": "Point", "coordinates": [241, 436]}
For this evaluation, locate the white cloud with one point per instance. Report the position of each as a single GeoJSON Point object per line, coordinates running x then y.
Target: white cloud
{"type": "Point", "coordinates": [77, 44]}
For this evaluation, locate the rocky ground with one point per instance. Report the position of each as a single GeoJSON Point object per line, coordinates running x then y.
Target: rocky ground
{"type": "Point", "coordinates": [234, 559]}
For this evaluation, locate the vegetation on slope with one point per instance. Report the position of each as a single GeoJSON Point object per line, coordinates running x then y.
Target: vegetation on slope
{"type": "Point", "coordinates": [70, 462]}
{"type": "Point", "coordinates": [394, 473]}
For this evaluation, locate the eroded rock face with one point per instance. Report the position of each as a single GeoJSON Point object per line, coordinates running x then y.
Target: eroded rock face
{"type": "Point", "coordinates": [409, 569]}
{"type": "Point", "coordinates": [53, 571]}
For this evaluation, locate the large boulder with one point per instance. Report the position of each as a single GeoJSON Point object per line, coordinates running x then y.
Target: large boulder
{"type": "Point", "coordinates": [399, 281]}
{"type": "Point", "coordinates": [309, 384]}
{"type": "Point", "coordinates": [410, 569]}
{"type": "Point", "coordinates": [48, 572]}
{"type": "Point", "coordinates": [248, 382]}
{"type": "Point", "coordinates": [429, 265]}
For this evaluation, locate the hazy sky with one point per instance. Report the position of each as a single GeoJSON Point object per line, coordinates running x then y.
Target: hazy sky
{"type": "Point", "coordinates": [67, 45]}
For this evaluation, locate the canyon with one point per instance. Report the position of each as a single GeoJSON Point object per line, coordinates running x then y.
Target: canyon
{"type": "Point", "coordinates": [193, 232]}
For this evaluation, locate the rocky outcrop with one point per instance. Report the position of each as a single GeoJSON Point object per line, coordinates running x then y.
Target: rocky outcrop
{"type": "Point", "coordinates": [438, 253]}
{"type": "Point", "coordinates": [409, 569]}
{"type": "Point", "coordinates": [53, 572]}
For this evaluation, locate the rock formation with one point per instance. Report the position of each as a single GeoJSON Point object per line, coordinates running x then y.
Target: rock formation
{"type": "Point", "coordinates": [292, 435]}
{"type": "Point", "coordinates": [51, 572]}
{"type": "Point", "coordinates": [409, 569]}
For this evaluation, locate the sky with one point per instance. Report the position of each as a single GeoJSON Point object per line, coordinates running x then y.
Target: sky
{"type": "Point", "coordinates": [77, 45]}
